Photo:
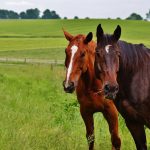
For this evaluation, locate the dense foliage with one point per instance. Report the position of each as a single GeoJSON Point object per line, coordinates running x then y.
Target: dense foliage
{"type": "Point", "coordinates": [148, 15]}
{"type": "Point", "coordinates": [28, 14]}
{"type": "Point", "coordinates": [134, 16]}
{"type": "Point", "coordinates": [34, 13]}
{"type": "Point", "coordinates": [6, 14]}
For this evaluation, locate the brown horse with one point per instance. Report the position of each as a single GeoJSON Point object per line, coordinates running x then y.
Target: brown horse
{"type": "Point", "coordinates": [80, 75]}
{"type": "Point", "coordinates": [127, 65]}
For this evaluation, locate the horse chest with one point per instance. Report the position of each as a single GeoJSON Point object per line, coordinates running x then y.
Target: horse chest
{"type": "Point", "coordinates": [88, 98]}
{"type": "Point", "coordinates": [135, 113]}
{"type": "Point", "coordinates": [91, 101]}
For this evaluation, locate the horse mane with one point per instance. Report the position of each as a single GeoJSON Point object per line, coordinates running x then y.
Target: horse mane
{"type": "Point", "coordinates": [133, 56]}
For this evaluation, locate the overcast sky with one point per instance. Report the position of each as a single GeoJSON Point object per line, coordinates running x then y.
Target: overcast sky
{"type": "Point", "coordinates": [82, 8]}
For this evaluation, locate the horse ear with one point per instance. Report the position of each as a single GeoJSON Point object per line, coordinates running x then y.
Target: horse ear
{"type": "Point", "coordinates": [99, 33]}
{"type": "Point", "coordinates": [88, 38]}
{"type": "Point", "coordinates": [68, 36]}
{"type": "Point", "coordinates": [117, 33]}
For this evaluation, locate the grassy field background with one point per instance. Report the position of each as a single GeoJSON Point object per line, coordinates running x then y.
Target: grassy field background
{"type": "Point", "coordinates": [35, 112]}
{"type": "Point", "coordinates": [37, 115]}
{"type": "Point", "coordinates": [45, 39]}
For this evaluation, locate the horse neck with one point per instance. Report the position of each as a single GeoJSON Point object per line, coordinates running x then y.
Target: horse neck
{"type": "Point", "coordinates": [133, 57]}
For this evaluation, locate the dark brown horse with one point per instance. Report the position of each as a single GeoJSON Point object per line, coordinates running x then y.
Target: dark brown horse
{"type": "Point", "coordinates": [80, 76]}
{"type": "Point", "coordinates": [126, 67]}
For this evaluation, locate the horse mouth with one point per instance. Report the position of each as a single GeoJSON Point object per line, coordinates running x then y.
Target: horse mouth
{"type": "Point", "coordinates": [111, 96]}
{"type": "Point", "coordinates": [69, 90]}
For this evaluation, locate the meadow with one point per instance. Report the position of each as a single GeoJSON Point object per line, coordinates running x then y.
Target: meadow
{"type": "Point", "coordinates": [36, 114]}
{"type": "Point", "coordinates": [45, 39]}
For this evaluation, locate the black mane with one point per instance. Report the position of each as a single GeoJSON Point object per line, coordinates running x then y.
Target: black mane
{"type": "Point", "coordinates": [133, 56]}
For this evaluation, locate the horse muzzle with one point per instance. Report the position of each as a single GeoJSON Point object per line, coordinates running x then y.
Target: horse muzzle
{"type": "Point", "coordinates": [111, 91]}
{"type": "Point", "coordinates": [69, 87]}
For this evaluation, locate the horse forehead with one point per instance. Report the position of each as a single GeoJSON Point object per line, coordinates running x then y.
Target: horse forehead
{"type": "Point", "coordinates": [107, 48]}
{"type": "Point", "coordinates": [74, 49]}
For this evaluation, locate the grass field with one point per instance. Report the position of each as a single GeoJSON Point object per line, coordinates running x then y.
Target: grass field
{"type": "Point", "coordinates": [35, 112]}
{"type": "Point", "coordinates": [45, 39]}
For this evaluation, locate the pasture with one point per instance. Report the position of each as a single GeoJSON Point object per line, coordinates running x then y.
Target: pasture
{"type": "Point", "coordinates": [45, 39]}
{"type": "Point", "coordinates": [35, 112]}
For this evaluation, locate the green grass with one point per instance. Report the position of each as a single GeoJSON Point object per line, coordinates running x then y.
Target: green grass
{"type": "Point", "coordinates": [27, 38]}
{"type": "Point", "coordinates": [53, 28]}
{"type": "Point", "coordinates": [52, 54]}
{"type": "Point", "coordinates": [36, 114]}
{"type": "Point", "coordinates": [29, 28]}
{"type": "Point", "coordinates": [17, 44]}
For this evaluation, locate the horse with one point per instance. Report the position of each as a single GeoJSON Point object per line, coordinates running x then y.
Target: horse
{"type": "Point", "coordinates": [80, 77]}
{"type": "Point", "coordinates": [125, 69]}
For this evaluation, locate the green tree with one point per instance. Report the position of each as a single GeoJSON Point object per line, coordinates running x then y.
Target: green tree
{"type": "Point", "coordinates": [118, 18]}
{"type": "Point", "coordinates": [23, 15]}
{"type": "Point", "coordinates": [28, 14]}
{"type": "Point", "coordinates": [134, 16]}
{"type": "Point", "coordinates": [13, 15]}
{"type": "Point", "coordinates": [3, 14]}
{"type": "Point", "coordinates": [87, 18]}
{"type": "Point", "coordinates": [65, 18]}
{"type": "Point", "coordinates": [55, 15]}
{"type": "Point", "coordinates": [47, 14]}
{"type": "Point", "coordinates": [76, 17]}
{"type": "Point", "coordinates": [32, 13]}
{"type": "Point", "coordinates": [148, 15]}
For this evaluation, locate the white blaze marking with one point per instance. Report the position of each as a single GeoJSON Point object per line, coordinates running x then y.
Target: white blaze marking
{"type": "Point", "coordinates": [74, 49]}
{"type": "Point", "coordinates": [107, 48]}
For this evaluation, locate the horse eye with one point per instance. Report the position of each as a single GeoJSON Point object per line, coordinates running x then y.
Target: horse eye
{"type": "Point", "coordinates": [82, 54]}
{"type": "Point", "coordinates": [98, 54]}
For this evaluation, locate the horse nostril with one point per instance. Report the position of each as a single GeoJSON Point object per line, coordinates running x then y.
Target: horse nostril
{"type": "Point", "coordinates": [71, 84]}
{"type": "Point", "coordinates": [107, 88]}
{"type": "Point", "coordinates": [69, 87]}
{"type": "Point", "coordinates": [117, 88]}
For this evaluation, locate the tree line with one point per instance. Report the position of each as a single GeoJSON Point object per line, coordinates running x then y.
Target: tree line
{"type": "Point", "coordinates": [28, 14]}
{"type": "Point", "coordinates": [48, 14]}
{"type": "Point", "coordinates": [135, 16]}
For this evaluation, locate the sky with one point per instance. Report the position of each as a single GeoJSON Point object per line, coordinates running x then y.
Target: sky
{"type": "Point", "coordinates": [82, 8]}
